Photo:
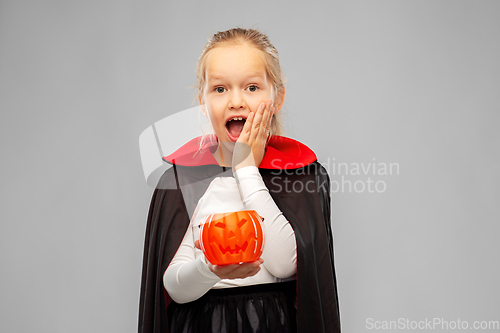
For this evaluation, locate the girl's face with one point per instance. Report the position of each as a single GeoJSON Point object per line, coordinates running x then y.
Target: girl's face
{"type": "Point", "coordinates": [236, 83]}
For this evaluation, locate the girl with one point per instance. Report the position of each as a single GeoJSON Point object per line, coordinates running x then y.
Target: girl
{"type": "Point", "coordinates": [292, 286]}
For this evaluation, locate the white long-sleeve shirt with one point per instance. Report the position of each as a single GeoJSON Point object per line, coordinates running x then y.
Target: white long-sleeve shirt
{"type": "Point", "coordinates": [188, 277]}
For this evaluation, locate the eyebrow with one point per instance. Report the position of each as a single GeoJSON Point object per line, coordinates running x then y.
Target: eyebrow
{"type": "Point", "coordinates": [221, 77]}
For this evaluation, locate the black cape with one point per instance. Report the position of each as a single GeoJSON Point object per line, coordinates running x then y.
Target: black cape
{"type": "Point", "coordinates": [302, 193]}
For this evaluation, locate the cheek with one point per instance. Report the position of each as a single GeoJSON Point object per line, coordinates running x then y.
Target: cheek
{"type": "Point", "coordinates": [215, 114]}
{"type": "Point", "coordinates": [255, 102]}
{"type": "Point", "coordinates": [257, 99]}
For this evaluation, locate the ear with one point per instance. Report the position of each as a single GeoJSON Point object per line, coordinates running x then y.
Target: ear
{"type": "Point", "coordinates": [202, 105]}
{"type": "Point", "coordinates": [280, 100]}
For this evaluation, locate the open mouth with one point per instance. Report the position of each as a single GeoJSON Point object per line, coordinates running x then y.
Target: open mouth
{"type": "Point", "coordinates": [234, 126]}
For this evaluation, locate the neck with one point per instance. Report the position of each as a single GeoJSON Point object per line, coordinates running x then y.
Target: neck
{"type": "Point", "coordinates": [223, 156]}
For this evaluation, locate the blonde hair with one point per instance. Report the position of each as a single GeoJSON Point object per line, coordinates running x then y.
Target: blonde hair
{"type": "Point", "coordinates": [253, 37]}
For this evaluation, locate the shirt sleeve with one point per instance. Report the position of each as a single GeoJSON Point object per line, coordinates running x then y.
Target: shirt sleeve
{"type": "Point", "coordinates": [280, 249]}
{"type": "Point", "coordinates": [187, 278]}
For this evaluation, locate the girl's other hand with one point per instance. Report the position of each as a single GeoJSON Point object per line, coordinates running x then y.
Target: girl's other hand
{"type": "Point", "coordinates": [251, 144]}
{"type": "Point", "coordinates": [234, 271]}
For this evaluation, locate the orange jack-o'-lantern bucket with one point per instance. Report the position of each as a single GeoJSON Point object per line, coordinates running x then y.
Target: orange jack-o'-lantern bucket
{"type": "Point", "coordinates": [231, 238]}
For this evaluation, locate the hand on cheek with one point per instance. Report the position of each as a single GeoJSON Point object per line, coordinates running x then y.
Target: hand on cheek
{"type": "Point", "coordinates": [250, 146]}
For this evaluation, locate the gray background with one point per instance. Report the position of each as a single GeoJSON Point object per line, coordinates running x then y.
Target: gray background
{"type": "Point", "coordinates": [408, 82]}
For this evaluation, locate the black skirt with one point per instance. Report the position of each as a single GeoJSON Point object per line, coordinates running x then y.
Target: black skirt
{"type": "Point", "coordinates": [258, 308]}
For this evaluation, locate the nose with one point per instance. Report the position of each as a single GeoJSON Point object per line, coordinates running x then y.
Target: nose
{"type": "Point", "coordinates": [236, 100]}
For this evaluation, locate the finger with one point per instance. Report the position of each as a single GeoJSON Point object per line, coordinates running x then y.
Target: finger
{"type": "Point", "coordinates": [268, 113]}
{"type": "Point", "coordinates": [197, 244]}
{"type": "Point", "coordinates": [224, 271]}
{"type": "Point", "coordinates": [247, 269]}
{"type": "Point", "coordinates": [268, 119]}
{"type": "Point", "coordinates": [254, 272]}
{"type": "Point", "coordinates": [258, 267]}
{"type": "Point", "coordinates": [271, 113]}
{"type": "Point", "coordinates": [247, 127]}
{"type": "Point", "coordinates": [259, 121]}
{"type": "Point", "coordinates": [237, 271]}
{"type": "Point", "coordinates": [267, 126]}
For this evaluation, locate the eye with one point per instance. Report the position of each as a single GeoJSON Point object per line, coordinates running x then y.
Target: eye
{"type": "Point", "coordinates": [253, 88]}
{"type": "Point", "coordinates": [220, 225]}
{"type": "Point", "coordinates": [241, 223]}
{"type": "Point", "coordinates": [220, 90]}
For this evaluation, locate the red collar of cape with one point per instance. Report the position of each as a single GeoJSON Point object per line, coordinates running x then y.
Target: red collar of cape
{"type": "Point", "coordinates": [282, 153]}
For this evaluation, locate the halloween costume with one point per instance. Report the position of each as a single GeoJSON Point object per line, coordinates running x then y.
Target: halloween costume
{"type": "Point", "coordinates": [188, 276]}
{"type": "Point", "coordinates": [299, 186]}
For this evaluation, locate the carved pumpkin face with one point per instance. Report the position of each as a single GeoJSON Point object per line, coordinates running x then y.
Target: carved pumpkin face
{"type": "Point", "coordinates": [231, 238]}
